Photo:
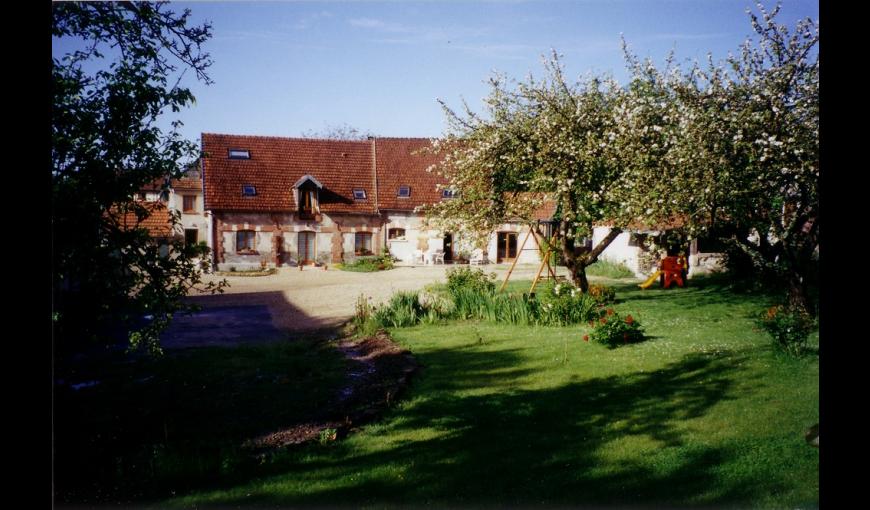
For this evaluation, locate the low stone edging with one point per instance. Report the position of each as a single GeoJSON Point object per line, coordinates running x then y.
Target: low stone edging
{"type": "Point", "coordinates": [378, 373]}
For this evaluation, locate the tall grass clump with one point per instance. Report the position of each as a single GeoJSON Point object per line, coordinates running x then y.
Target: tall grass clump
{"type": "Point", "coordinates": [608, 269]}
{"type": "Point", "coordinates": [402, 310]}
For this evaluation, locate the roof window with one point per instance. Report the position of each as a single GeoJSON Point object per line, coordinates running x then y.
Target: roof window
{"type": "Point", "coordinates": [249, 191]}
{"type": "Point", "coordinates": [448, 193]}
{"type": "Point", "coordinates": [240, 154]}
{"type": "Point", "coordinates": [404, 191]}
{"type": "Point", "coordinates": [359, 194]}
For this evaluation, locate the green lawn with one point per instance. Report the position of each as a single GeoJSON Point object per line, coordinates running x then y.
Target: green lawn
{"type": "Point", "coordinates": [702, 413]}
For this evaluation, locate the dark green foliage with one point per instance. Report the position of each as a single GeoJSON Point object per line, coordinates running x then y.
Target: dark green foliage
{"type": "Point", "coordinates": [105, 147]}
{"type": "Point", "coordinates": [612, 330]}
{"type": "Point", "coordinates": [369, 264]}
{"type": "Point", "coordinates": [151, 425]}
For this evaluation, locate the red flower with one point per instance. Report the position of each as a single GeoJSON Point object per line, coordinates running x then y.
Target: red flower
{"type": "Point", "coordinates": [629, 320]}
{"type": "Point", "coordinates": [603, 320]}
{"type": "Point", "coordinates": [585, 338]}
{"type": "Point", "coordinates": [609, 312]}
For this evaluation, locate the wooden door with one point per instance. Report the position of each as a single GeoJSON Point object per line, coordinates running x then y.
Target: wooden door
{"type": "Point", "coordinates": [507, 246]}
{"type": "Point", "coordinates": [306, 247]}
{"type": "Point", "coordinates": [448, 247]}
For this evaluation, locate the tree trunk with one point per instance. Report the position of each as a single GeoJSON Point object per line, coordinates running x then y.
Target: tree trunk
{"type": "Point", "coordinates": [798, 294]}
{"type": "Point", "coordinates": [577, 265]}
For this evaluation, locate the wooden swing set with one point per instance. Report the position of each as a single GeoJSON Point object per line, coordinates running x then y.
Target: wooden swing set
{"type": "Point", "coordinates": [534, 232]}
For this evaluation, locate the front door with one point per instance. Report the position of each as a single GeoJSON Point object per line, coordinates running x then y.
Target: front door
{"type": "Point", "coordinates": [507, 246]}
{"type": "Point", "coordinates": [306, 248]}
{"type": "Point", "coordinates": [448, 247]}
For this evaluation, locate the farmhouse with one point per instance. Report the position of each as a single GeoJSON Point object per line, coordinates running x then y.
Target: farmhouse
{"type": "Point", "coordinates": [275, 201]}
{"type": "Point", "coordinates": [291, 201]}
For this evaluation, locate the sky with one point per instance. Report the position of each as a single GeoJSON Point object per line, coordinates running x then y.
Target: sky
{"type": "Point", "coordinates": [285, 68]}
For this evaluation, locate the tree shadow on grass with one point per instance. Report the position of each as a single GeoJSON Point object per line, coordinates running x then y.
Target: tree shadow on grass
{"type": "Point", "coordinates": [569, 445]}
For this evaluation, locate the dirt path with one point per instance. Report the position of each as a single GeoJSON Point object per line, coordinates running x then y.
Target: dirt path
{"type": "Point", "coordinates": [314, 299]}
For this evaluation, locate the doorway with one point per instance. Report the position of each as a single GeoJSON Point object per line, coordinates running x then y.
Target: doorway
{"type": "Point", "coordinates": [507, 247]}
{"type": "Point", "coordinates": [306, 248]}
{"type": "Point", "coordinates": [448, 248]}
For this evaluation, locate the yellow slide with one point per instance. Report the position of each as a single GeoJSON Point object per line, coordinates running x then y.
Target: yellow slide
{"type": "Point", "coordinates": [649, 281]}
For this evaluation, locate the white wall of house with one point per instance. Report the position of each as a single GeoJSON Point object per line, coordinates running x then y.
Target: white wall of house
{"type": "Point", "coordinates": [191, 220]}
{"type": "Point", "coordinates": [618, 251]}
{"type": "Point", "coordinates": [416, 237]}
{"type": "Point", "coordinates": [528, 254]}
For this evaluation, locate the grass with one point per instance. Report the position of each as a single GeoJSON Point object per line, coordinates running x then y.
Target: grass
{"type": "Point", "coordinates": [702, 413]}
{"type": "Point", "coordinates": [150, 426]}
{"type": "Point", "coordinates": [608, 269]}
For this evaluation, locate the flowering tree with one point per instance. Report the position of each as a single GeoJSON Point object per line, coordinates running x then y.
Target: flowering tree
{"type": "Point", "coordinates": [547, 140]}
{"type": "Point", "coordinates": [743, 149]}
{"type": "Point", "coordinates": [734, 144]}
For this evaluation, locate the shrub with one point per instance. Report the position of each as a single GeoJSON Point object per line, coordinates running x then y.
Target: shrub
{"type": "Point", "coordinates": [602, 294]}
{"type": "Point", "coordinates": [788, 327]}
{"type": "Point", "coordinates": [565, 304]}
{"type": "Point", "coordinates": [467, 278]}
{"type": "Point", "coordinates": [369, 264]}
{"type": "Point", "coordinates": [612, 330]}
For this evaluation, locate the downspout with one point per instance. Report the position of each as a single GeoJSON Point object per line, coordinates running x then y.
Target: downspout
{"type": "Point", "coordinates": [375, 175]}
{"type": "Point", "coordinates": [210, 239]}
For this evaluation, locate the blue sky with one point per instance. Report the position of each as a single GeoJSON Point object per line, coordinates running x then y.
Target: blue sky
{"type": "Point", "coordinates": [282, 68]}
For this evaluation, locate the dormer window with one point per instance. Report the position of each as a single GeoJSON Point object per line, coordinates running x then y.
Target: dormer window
{"type": "Point", "coordinates": [249, 191]}
{"type": "Point", "coordinates": [404, 192]}
{"type": "Point", "coordinates": [359, 194]}
{"type": "Point", "coordinates": [307, 197]}
{"type": "Point", "coordinates": [448, 193]}
{"type": "Point", "coordinates": [240, 154]}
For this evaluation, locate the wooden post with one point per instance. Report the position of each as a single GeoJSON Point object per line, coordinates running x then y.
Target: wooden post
{"type": "Point", "coordinates": [508, 276]}
{"type": "Point", "coordinates": [538, 275]}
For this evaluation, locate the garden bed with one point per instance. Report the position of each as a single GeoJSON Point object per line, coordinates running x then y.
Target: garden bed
{"type": "Point", "coordinates": [248, 272]}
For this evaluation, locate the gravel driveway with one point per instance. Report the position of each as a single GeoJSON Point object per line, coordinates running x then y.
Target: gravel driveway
{"type": "Point", "coordinates": [301, 300]}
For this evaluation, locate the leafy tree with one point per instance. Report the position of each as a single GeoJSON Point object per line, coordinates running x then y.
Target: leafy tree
{"type": "Point", "coordinates": [107, 269]}
{"type": "Point", "coordinates": [743, 149]}
{"type": "Point", "coordinates": [547, 140]}
{"type": "Point", "coordinates": [339, 132]}
{"type": "Point", "coordinates": [733, 147]}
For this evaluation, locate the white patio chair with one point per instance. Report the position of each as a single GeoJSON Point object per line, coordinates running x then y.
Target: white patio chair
{"type": "Point", "coordinates": [438, 257]}
{"type": "Point", "coordinates": [476, 258]}
{"type": "Point", "coordinates": [418, 257]}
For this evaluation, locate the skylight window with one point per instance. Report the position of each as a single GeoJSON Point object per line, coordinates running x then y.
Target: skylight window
{"type": "Point", "coordinates": [448, 193]}
{"type": "Point", "coordinates": [240, 154]}
{"type": "Point", "coordinates": [249, 191]}
{"type": "Point", "coordinates": [404, 191]}
{"type": "Point", "coordinates": [359, 194]}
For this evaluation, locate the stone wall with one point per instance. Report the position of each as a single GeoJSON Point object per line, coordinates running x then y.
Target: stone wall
{"type": "Point", "coordinates": [277, 238]}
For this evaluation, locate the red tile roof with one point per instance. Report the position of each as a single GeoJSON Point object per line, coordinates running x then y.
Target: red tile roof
{"type": "Point", "coordinates": [400, 162]}
{"type": "Point", "coordinates": [546, 211]}
{"type": "Point", "coordinates": [277, 163]}
{"type": "Point", "coordinates": [158, 223]}
{"type": "Point", "coordinates": [187, 184]}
